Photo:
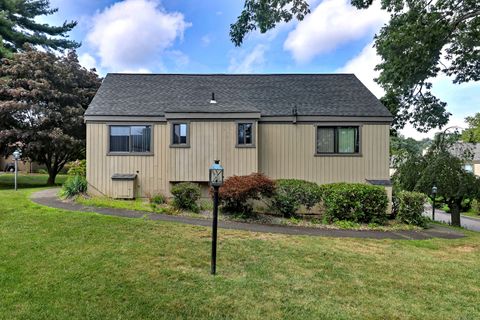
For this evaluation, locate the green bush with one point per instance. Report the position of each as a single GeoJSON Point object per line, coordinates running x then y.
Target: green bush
{"type": "Point", "coordinates": [157, 199]}
{"type": "Point", "coordinates": [290, 194]}
{"type": "Point", "coordinates": [355, 202]}
{"type": "Point", "coordinates": [186, 195]}
{"type": "Point", "coordinates": [74, 185]}
{"type": "Point", "coordinates": [475, 206]}
{"type": "Point", "coordinates": [77, 168]}
{"type": "Point", "coordinates": [410, 207]}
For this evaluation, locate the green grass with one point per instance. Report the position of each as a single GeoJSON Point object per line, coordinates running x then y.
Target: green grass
{"type": "Point", "coordinates": [104, 202]}
{"type": "Point", "coordinates": [7, 180]}
{"type": "Point", "coordinates": [472, 214]}
{"type": "Point", "coordinates": [57, 264]}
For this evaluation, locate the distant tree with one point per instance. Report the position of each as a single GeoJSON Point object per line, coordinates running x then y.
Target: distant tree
{"type": "Point", "coordinates": [42, 101]}
{"type": "Point", "coordinates": [454, 183]}
{"type": "Point", "coordinates": [423, 39]}
{"type": "Point", "coordinates": [472, 133]}
{"type": "Point", "coordinates": [402, 148]}
{"type": "Point", "coordinates": [18, 26]}
{"type": "Point", "coordinates": [442, 168]}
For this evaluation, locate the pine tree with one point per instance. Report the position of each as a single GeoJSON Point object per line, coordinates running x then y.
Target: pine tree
{"type": "Point", "coordinates": [18, 27]}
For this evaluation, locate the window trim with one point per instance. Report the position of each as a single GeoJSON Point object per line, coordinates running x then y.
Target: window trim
{"type": "Point", "coordinates": [130, 124]}
{"type": "Point", "coordinates": [336, 125]}
{"type": "Point", "coordinates": [172, 127]}
{"type": "Point", "coordinates": [249, 145]}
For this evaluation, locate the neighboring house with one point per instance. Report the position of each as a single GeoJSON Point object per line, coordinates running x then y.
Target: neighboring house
{"type": "Point", "coordinates": [7, 164]}
{"type": "Point", "coordinates": [146, 132]}
{"type": "Point", "coordinates": [471, 150]}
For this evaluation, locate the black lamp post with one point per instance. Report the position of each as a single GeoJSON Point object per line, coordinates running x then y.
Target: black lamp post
{"type": "Point", "coordinates": [216, 181]}
{"type": "Point", "coordinates": [16, 156]}
{"type": "Point", "coordinates": [434, 194]}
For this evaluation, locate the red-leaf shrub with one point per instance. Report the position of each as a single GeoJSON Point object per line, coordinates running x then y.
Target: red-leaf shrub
{"type": "Point", "coordinates": [237, 191]}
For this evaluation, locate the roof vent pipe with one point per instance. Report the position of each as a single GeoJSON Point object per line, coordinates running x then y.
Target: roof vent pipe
{"type": "Point", "coordinates": [213, 98]}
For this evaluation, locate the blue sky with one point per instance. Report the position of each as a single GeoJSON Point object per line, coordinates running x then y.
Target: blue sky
{"type": "Point", "coordinates": [192, 36]}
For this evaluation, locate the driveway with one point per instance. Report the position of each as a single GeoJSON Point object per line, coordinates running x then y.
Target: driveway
{"type": "Point", "coordinates": [442, 216]}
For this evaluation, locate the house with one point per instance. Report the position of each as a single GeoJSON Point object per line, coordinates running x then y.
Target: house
{"type": "Point", "coordinates": [24, 165]}
{"type": "Point", "coordinates": [470, 151]}
{"type": "Point", "coordinates": [146, 132]}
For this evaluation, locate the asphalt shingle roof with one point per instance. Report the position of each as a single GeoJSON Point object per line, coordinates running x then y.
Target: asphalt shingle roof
{"type": "Point", "coordinates": [271, 95]}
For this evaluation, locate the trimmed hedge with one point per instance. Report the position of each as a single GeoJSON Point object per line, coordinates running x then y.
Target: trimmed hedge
{"type": "Point", "coordinates": [355, 202]}
{"type": "Point", "coordinates": [186, 195]}
{"type": "Point", "coordinates": [409, 207]}
{"type": "Point", "coordinates": [237, 192]}
{"type": "Point", "coordinates": [290, 194]}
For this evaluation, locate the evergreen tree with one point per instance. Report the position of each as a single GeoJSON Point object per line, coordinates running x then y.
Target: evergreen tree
{"type": "Point", "coordinates": [18, 27]}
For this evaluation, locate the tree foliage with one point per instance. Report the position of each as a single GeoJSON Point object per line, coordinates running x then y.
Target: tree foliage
{"type": "Point", "coordinates": [472, 133]}
{"type": "Point", "coordinates": [42, 101]}
{"type": "Point", "coordinates": [18, 26]}
{"type": "Point", "coordinates": [442, 168]}
{"type": "Point", "coordinates": [422, 40]}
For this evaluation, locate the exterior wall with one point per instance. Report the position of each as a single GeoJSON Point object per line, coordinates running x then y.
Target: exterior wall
{"type": "Point", "coordinates": [151, 170]}
{"type": "Point", "coordinates": [210, 141]}
{"type": "Point", "coordinates": [281, 151]}
{"type": "Point", "coordinates": [476, 169]}
{"type": "Point", "coordinates": [288, 151]}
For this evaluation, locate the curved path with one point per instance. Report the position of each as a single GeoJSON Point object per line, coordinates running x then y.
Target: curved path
{"type": "Point", "coordinates": [48, 197]}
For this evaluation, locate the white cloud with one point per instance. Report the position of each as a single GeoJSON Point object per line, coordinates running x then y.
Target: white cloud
{"type": "Point", "coordinates": [179, 58]}
{"type": "Point", "coordinates": [132, 34]}
{"type": "Point", "coordinates": [206, 40]}
{"type": "Point", "coordinates": [139, 70]}
{"type": "Point", "coordinates": [88, 61]}
{"type": "Point", "coordinates": [331, 24]}
{"type": "Point", "coordinates": [251, 62]}
{"type": "Point", "coordinates": [363, 66]}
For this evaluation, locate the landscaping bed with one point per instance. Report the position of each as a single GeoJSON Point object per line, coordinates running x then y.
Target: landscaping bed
{"type": "Point", "coordinates": [205, 212]}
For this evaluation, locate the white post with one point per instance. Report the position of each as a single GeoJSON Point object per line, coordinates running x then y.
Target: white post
{"type": "Point", "coordinates": [16, 173]}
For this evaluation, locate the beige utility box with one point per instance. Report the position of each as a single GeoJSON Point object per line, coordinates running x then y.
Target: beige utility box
{"type": "Point", "coordinates": [124, 185]}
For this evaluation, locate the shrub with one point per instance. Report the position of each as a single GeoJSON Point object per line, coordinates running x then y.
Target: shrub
{"type": "Point", "coordinates": [73, 186]}
{"type": "Point", "coordinates": [410, 207]}
{"type": "Point", "coordinates": [157, 199]}
{"type": "Point", "coordinates": [77, 168]}
{"type": "Point", "coordinates": [355, 202]}
{"type": "Point", "coordinates": [291, 193]}
{"type": "Point", "coordinates": [237, 192]}
{"type": "Point", "coordinates": [475, 206]}
{"type": "Point", "coordinates": [185, 196]}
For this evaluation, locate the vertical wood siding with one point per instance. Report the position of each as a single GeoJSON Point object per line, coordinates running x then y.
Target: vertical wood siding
{"type": "Point", "coordinates": [282, 151]}
{"type": "Point", "coordinates": [151, 170]}
{"type": "Point", "coordinates": [287, 151]}
{"type": "Point", "coordinates": [210, 141]}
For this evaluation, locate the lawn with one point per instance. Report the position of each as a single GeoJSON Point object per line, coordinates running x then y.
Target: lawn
{"type": "Point", "coordinates": [58, 264]}
{"type": "Point", "coordinates": [27, 180]}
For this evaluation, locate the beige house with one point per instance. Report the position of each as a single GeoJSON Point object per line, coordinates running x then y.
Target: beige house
{"type": "Point", "coordinates": [148, 132]}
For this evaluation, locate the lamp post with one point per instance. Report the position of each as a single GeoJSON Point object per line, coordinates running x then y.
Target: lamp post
{"type": "Point", "coordinates": [16, 156]}
{"type": "Point", "coordinates": [216, 181]}
{"type": "Point", "coordinates": [434, 194]}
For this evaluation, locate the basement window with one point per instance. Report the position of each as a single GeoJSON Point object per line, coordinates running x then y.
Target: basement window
{"type": "Point", "coordinates": [130, 139]}
{"type": "Point", "coordinates": [337, 140]}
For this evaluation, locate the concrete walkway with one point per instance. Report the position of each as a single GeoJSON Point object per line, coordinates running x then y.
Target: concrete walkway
{"type": "Point", "coordinates": [442, 216]}
{"type": "Point", "coordinates": [49, 198]}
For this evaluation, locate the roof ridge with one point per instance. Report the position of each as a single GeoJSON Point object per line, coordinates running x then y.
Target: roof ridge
{"type": "Point", "coordinates": [232, 74]}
